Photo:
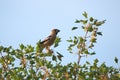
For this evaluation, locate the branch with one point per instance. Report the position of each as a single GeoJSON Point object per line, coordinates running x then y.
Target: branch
{"type": "Point", "coordinates": [79, 54]}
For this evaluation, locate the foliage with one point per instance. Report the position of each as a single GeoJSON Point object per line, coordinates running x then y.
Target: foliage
{"type": "Point", "coordinates": [85, 43]}
{"type": "Point", "coordinates": [28, 62]}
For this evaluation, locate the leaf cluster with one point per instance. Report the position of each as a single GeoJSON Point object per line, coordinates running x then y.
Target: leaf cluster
{"type": "Point", "coordinates": [84, 44]}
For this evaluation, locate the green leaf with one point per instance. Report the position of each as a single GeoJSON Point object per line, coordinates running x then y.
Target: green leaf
{"type": "Point", "coordinates": [81, 39]}
{"type": "Point", "coordinates": [87, 62]}
{"type": "Point", "coordinates": [32, 62]}
{"type": "Point", "coordinates": [93, 40]}
{"type": "Point", "coordinates": [70, 49]}
{"type": "Point", "coordinates": [85, 15]}
{"type": "Point", "coordinates": [93, 53]}
{"type": "Point", "coordinates": [91, 19]}
{"type": "Point", "coordinates": [74, 28]}
{"type": "Point", "coordinates": [84, 21]}
{"type": "Point", "coordinates": [13, 52]}
{"type": "Point", "coordinates": [72, 45]}
{"type": "Point", "coordinates": [77, 21]}
{"type": "Point", "coordinates": [49, 65]}
{"type": "Point", "coordinates": [39, 47]}
{"type": "Point", "coordinates": [6, 49]}
{"type": "Point", "coordinates": [91, 45]}
{"type": "Point", "coordinates": [99, 33]}
{"type": "Point", "coordinates": [89, 27]}
{"type": "Point", "coordinates": [54, 58]}
{"type": "Point", "coordinates": [59, 56]}
{"type": "Point", "coordinates": [12, 59]}
{"type": "Point", "coordinates": [27, 50]}
{"type": "Point", "coordinates": [99, 23]}
{"type": "Point", "coordinates": [1, 48]}
{"type": "Point", "coordinates": [70, 40]}
{"type": "Point", "coordinates": [1, 70]}
{"type": "Point", "coordinates": [30, 48]}
{"type": "Point", "coordinates": [79, 46]}
{"type": "Point", "coordinates": [75, 40]}
{"type": "Point", "coordinates": [32, 71]}
{"type": "Point", "coordinates": [96, 61]}
{"type": "Point", "coordinates": [95, 20]}
{"type": "Point", "coordinates": [116, 60]}
{"type": "Point", "coordinates": [57, 40]}
{"type": "Point", "coordinates": [22, 46]}
{"type": "Point", "coordinates": [83, 27]}
{"type": "Point", "coordinates": [86, 51]}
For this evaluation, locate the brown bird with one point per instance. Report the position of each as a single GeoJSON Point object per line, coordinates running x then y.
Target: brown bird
{"type": "Point", "coordinates": [47, 42]}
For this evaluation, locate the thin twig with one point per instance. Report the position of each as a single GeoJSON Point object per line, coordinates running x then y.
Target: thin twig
{"type": "Point", "coordinates": [79, 54]}
{"type": "Point", "coordinates": [85, 35]}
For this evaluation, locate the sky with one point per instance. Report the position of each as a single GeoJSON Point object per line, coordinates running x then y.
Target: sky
{"type": "Point", "coordinates": [28, 21]}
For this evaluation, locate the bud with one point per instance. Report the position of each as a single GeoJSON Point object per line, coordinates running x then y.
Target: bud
{"type": "Point", "coordinates": [94, 34]}
{"type": "Point", "coordinates": [89, 27]}
{"type": "Point", "coordinates": [93, 39]}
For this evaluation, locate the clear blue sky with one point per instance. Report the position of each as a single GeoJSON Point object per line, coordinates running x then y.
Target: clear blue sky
{"type": "Point", "coordinates": [27, 21]}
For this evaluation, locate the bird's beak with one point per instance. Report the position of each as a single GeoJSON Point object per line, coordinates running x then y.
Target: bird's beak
{"type": "Point", "coordinates": [58, 30]}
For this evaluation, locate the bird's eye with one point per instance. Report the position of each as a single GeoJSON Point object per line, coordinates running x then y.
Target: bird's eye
{"type": "Point", "coordinates": [55, 30]}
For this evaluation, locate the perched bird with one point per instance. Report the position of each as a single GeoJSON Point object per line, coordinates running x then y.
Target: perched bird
{"type": "Point", "coordinates": [47, 42]}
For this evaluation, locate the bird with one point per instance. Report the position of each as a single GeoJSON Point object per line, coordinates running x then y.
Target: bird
{"type": "Point", "coordinates": [47, 42]}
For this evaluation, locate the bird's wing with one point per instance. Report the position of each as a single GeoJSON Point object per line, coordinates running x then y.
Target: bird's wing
{"type": "Point", "coordinates": [46, 39]}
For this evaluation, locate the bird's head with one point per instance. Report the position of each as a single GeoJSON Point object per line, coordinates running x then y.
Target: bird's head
{"type": "Point", "coordinates": [55, 31]}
